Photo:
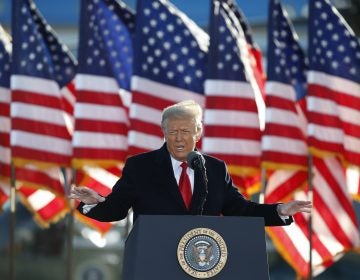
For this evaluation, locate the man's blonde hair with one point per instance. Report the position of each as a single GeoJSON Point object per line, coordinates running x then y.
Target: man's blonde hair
{"type": "Point", "coordinates": [183, 109]}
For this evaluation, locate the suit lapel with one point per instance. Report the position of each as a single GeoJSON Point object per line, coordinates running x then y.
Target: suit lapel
{"type": "Point", "coordinates": [166, 173]}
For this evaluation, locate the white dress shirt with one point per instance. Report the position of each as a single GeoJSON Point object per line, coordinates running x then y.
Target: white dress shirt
{"type": "Point", "coordinates": [176, 165]}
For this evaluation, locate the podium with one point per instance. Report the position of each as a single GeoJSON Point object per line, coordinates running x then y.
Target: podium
{"type": "Point", "coordinates": [196, 247]}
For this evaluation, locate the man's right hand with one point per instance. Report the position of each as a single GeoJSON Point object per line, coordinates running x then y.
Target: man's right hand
{"type": "Point", "coordinates": [86, 195]}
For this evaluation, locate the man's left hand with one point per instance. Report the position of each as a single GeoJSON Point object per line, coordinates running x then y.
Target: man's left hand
{"type": "Point", "coordinates": [293, 207]}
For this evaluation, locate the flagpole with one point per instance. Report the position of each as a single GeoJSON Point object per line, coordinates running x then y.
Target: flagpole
{"type": "Point", "coordinates": [70, 225]}
{"type": "Point", "coordinates": [263, 185]}
{"type": "Point", "coordinates": [12, 262]}
{"type": "Point", "coordinates": [310, 226]}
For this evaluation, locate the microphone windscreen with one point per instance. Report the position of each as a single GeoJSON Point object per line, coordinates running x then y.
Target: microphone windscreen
{"type": "Point", "coordinates": [193, 157]}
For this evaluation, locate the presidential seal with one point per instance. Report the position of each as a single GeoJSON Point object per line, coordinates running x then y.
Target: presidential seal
{"type": "Point", "coordinates": [202, 253]}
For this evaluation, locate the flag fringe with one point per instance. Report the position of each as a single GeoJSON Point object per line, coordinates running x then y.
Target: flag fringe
{"type": "Point", "coordinates": [42, 165]}
{"type": "Point", "coordinates": [272, 165]}
{"type": "Point", "coordinates": [101, 163]}
{"type": "Point", "coordinates": [87, 221]}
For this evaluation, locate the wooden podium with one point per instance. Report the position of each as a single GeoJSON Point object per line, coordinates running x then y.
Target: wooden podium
{"type": "Point", "coordinates": [196, 247]}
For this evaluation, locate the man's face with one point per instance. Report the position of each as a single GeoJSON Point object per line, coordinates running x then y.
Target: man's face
{"type": "Point", "coordinates": [181, 137]}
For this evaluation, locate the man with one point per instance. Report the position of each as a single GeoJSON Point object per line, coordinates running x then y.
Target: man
{"type": "Point", "coordinates": [150, 181]}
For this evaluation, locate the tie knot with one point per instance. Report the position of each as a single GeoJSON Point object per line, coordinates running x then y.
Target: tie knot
{"type": "Point", "coordinates": [183, 165]}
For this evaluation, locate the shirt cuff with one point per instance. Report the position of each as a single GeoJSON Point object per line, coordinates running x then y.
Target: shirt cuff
{"type": "Point", "coordinates": [87, 207]}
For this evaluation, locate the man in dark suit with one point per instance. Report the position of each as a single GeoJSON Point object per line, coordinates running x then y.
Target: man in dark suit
{"type": "Point", "coordinates": [150, 181]}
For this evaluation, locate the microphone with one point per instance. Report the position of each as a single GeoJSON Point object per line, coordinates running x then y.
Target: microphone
{"type": "Point", "coordinates": [195, 160]}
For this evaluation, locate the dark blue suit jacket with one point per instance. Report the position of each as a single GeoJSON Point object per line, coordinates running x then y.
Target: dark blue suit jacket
{"type": "Point", "coordinates": [148, 185]}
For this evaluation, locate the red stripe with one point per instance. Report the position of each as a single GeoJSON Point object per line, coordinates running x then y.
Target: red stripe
{"type": "Point", "coordinates": [233, 132]}
{"type": "Point", "coordinates": [150, 101]}
{"type": "Point", "coordinates": [5, 170]}
{"type": "Point", "coordinates": [133, 150]}
{"type": "Point", "coordinates": [231, 103]}
{"type": "Point", "coordinates": [99, 154]}
{"type": "Point", "coordinates": [145, 127]}
{"type": "Point", "coordinates": [241, 160]}
{"type": "Point", "coordinates": [352, 129]}
{"type": "Point", "coordinates": [325, 120]}
{"type": "Point", "coordinates": [284, 158]}
{"type": "Point", "coordinates": [37, 155]}
{"type": "Point", "coordinates": [36, 99]}
{"type": "Point", "coordinates": [326, 146]}
{"type": "Point", "coordinates": [41, 128]}
{"type": "Point", "coordinates": [286, 188]}
{"type": "Point", "coordinates": [99, 98]}
{"type": "Point", "coordinates": [101, 126]}
{"type": "Point", "coordinates": [282, 130]}
{"type": "Point", "coordinates": [4, 109]}
{"type": "Point", "coordinates": [280, 103]}
{"type": "Point", "coordinates": [39, 178]}
{"type": "Point", "coordinates": [4, 139]}
{"type": "Point", "coordinates": [52, 209]}
{"type": "Point", "coordinates": [341, 98]}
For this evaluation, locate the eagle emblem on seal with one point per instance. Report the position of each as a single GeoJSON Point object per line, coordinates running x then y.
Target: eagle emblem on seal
{"type": "Point", "coordinates": [202, 252]}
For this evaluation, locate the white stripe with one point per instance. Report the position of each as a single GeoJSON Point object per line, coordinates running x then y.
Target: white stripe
{"type": "Point", "coordinates": [334, 82]}
{"type": "Point", "coordinates": [284, 145]}
{"type": "Point", "coordinates": [281, 90]}
{"type": "Point", "coordinates": [282, 116]}
{"type": "Point", "coordinates": [5, 96]}
{"type": "Point", "coordinates": [101, 175]}
{"type": "Point", "coordinates": [100, 140]}
{"type": "Point", "coordinates": [36, 85]}
{"type": "Point", "coordinates": [170, 93]}
{"type": "Point", "coordinates": [5, 155]}
{"type": "Point", "coordinates": [322, 105]}
{"type": "Point", "coordinates": [100, 112]}
{"type": "Point", "coordinates": [40, 142]}
{"type": "Point", "coordinates": [40, 199]}
{"type": "Point", "coordinates": [145, 141]}
{"type": "Point", "coordinates": [37, 113]}
{"type": "Point", "coordinates": [326, 133]}
{"type": "Point", "coordinates": [278, 178]}
{"type": "Point", "coordinates": [145, 113]}
{"type": "Point", "coordinates": [96, 83]}
{"type": "Point", "coordinates": [231, 118]}
{"type": "Point", "coordinates": [350, 115]}
{"type": "Point", "coordinates": [231, 146]}
{"type": "Point", "coordinates": [5, 124]}
{"type": "Point", "coordinates": [126, 97]}
{"type": "Point", "coordinates": [5, 188]}
{"type": "Point", "coordinates": [352, 144]}
{"type": "Point", "coordinates": [229, 89]}
{"type": "Point", "coordinates": [68, 95]}
{"type": "Point", "coordinates": [353, 180]}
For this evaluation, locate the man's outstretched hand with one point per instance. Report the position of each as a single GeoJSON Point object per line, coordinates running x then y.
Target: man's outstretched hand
{"type": "Point", "coordinates": [86, 195]}
{"type": "Point", "coordinates": [293, 207]}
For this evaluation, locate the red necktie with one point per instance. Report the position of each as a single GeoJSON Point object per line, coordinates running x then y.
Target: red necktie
{"type": "Point", "coordinates": [185, 185]}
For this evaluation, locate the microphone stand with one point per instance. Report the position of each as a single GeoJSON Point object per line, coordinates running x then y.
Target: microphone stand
{"type": "Point", "coordinates": [201, 167]}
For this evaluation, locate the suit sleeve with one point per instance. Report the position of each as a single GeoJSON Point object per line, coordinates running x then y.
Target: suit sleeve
{"type": "Point", "coordinates": [119, 201]}
{"type": "Point", "coordinates": [237, 205]}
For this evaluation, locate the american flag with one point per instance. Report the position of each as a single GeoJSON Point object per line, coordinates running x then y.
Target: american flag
{"type": "Point", "coordinates": [41, 67]}
{"type": "Point", "coordinates": [169, 66]}
{"type": "Point", "coordinates": [334, 84]}
{"type": "Point", "coordinates": [253, 49]}
{"type": "Point", "coordinates": [45, 206]}
{"type": "Point", "coordinates": [103, 83]}
{"type": "Point", "coordinates": [232, 125]}
{"type": "Point", "coordinates": [284, 138]}
{"type": "Point", "coordinates": [332, 236]}
{"type": "Point", "coordinates": [5, 52]}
